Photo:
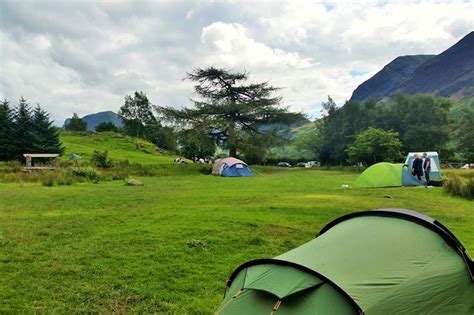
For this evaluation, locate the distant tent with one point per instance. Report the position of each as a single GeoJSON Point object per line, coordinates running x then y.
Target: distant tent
{"type": "Point", "coordinates": [395, 175]}
{"type": "Point", "coordinates": [387, 175]}
{"type": "Point", "coordinates": [386, 261]}
{"type": "Point", "coordinates": [381, 175]}
{"type": "Point", "coordinates": [230, 167]}
{"type": "Point", "coordinates": [74, 157]}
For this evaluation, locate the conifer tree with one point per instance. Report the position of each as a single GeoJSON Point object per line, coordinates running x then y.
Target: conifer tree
{"type": "Point", "coordinates": [23, 138]}
{"type": "Point", "coordinates": [229, 106]}
{"type": "Point", "coordinates": [46, 136]}
{"type": "Point", "coordinates": [6, 131]}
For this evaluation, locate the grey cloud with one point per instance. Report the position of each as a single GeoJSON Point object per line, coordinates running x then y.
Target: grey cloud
{"type": "Point", "coordinates": [85, 56]}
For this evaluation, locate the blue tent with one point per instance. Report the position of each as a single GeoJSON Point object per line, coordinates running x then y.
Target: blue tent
{"type": "Point", "coordinates": [231, 167]}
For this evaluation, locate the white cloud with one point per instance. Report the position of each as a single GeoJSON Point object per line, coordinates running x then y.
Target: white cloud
{"type": "Point", "coordinates": [229, 45]}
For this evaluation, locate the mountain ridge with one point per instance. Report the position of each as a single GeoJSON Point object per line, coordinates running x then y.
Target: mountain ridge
{"type": "Point", "coordinates": [449, 74]}
{"type": "Point", "coordinates": [94, 119]}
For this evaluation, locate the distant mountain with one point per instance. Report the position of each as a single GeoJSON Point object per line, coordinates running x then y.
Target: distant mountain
{"type": "Point", "coordinates": [93, 120]}
{"type": "Point", "coordinates": [449, 74]}
{"type": "Point", "coordinates": [389, 78]}
{"type": "Point", "coordinates": [286, 131]}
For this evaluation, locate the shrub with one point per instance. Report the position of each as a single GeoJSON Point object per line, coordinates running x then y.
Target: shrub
{"type": "Point", "coordinates": [101, 160]}
{"type": "Point", "coordinates": [87, 173]}
{"type": "Point", "coordinates": [205, 169]}
{"type": "Point", "coordinates": [462, 186]}
{"type": "Point", "coordinates": [48, 180]}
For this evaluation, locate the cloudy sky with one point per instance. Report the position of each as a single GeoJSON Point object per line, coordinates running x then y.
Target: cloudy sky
{"type": "Point", "coordinates": [85, 56]}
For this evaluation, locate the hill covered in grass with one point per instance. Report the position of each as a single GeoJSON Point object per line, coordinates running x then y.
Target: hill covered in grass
{"type": "Point", "coordinates": [119, 147]}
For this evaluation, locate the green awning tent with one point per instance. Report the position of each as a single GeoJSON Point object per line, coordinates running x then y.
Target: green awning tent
{"type": "Point", "coordinates": [435, 173]}
{"type": "Point", "coordinates": [386, 261]}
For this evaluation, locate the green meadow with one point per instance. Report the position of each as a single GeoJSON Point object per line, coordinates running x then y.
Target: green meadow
{"type": "Point", "coordinates": [169, 246]}
{"type": "Point", "coordinates": [119, 147]}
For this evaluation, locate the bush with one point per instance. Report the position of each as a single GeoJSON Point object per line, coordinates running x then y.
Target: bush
{"type": "Point", "coordinates": [101, 160]}
{"type": "Point", "coordinates": [48, 180]}
{"type": "Point", "coordinates": [459, 185]}
{"type": "Point", "coordinates": [87, 173]}
{"type": "Point", "coordinates": [205, 169]}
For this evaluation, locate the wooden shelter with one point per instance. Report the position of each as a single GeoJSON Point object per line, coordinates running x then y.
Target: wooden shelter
{"type": "Point", "coordinates": [29, 165]}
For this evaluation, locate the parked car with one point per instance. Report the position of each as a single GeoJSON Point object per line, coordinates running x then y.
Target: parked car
{"type": "Point", "coordinates": [284, 164]}
{"type": "Point", "coordinates": [301, 164]}
{"type": "Point", "coordinates": [312, 164]}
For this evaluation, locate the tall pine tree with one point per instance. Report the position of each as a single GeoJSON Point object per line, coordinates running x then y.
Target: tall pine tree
{"type": "Point", "coordinates": [230, 106]}
{"type": "Point", "coordinates": [23, 138]}
{"type": "Point", "coordinates": [6, 131]}
{"type": "Point", "coordinates": [46, 136]}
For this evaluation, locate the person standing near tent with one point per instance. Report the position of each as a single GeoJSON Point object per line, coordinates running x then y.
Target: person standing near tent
{"type": "Point", "coordinates": [427, 167]}
{"type": "Point", "coordinates": [417, 168]}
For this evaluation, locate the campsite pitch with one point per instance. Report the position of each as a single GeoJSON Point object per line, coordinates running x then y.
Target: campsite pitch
{"type": "Point", "coordinates": [170, 245]}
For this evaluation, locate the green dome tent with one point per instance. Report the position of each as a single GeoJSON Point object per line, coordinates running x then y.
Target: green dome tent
{"type": "Point", "coordinates": [395, 175]}
{"type": "Point", "coordinates": [380, 175]}
{"type": "Point", "coordinates": [387, 261]}
{"type": "Point", "coordinates": [387, 175]}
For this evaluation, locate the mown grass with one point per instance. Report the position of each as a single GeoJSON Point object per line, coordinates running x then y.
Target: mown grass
{"type": "Point", "coordinates": [169, 246]}
{"type": "Point", "coordinates": [118, 146]}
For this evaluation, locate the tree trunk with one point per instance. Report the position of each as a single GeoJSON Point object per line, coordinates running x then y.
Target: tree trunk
{"type": "Point", "coordinates": [232, 141]}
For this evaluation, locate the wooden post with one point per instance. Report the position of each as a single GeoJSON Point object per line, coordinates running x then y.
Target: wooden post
{"type": "Point", "coordinates": [28, 161]}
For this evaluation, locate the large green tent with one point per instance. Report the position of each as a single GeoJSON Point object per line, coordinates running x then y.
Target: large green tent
{"type": "Point", "coordinates": [386, 261]}
{"type": "Point", "coordinates": [395, 175]}
{"type": "Point", "coordinates": [389, 175]}
{"type": "Point", "coordinates": [380, 175]}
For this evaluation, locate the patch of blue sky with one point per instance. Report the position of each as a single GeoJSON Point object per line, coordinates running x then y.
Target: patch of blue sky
{"type": "Point", "coordinates": [357, 73]}
{"type": "Point", "coordinates": [329, 6]}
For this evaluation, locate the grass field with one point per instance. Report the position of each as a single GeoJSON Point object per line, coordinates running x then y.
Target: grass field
{"type": "Point", "coordinates": [169, 246]}
{"type": "Point", "coordinates": [119, 147]}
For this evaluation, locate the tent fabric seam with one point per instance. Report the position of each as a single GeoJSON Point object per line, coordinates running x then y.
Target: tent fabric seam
{"type": "Point", "coordinates": [302, 268]}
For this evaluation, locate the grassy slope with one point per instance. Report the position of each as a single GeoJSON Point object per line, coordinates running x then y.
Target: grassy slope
{"type": "Point", "coordinates": [120, 147]}
{"type": "Point", "coordinates": [113, 248]}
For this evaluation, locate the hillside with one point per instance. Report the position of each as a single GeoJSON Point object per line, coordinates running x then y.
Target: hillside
{"type": "Point", "coordinates": [93, 120]}
{"type": "Point", "coordinates": [119, 147]}
{"type": "Point", "coordinates": [449, 74]}
{"type": "Point", "coordinates": [389, 78]}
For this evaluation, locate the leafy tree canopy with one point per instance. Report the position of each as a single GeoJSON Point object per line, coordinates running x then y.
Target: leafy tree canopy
{"type": "Point", "coordinates": [76, 123]}
{"type": "Point", "coordinates": [465, 135]}
{"type": "Point", "coordinates": [420, 120]}
{"type": "Point", "coordinates": [106, 126]}
{"type": "Point", "coordinates": [136, 113]}
{"type": "Point", "coordinates": [375, 145]}
{"type": "Point", "coordinates": [196, 143]}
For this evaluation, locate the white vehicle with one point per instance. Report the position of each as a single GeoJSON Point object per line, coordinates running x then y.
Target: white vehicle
{"type": "Point", "coordinates": [312, 164]}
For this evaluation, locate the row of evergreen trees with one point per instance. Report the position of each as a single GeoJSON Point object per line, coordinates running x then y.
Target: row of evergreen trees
{"type": "Point", "coordinates": [26, 130]}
